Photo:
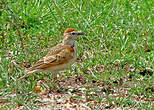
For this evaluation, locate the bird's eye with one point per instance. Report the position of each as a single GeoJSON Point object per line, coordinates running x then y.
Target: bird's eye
{"type": "Point", "coordinates": [73, 33]}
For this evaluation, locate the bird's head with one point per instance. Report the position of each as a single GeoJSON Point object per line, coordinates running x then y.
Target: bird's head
{"type": "Point", "coordinates": [70, 35]}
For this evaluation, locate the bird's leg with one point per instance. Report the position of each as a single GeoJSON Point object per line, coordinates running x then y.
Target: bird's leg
{"type": "Point", "coordinates": [55, 79]}
{"type": "Point", "coordinates": [54, 75]}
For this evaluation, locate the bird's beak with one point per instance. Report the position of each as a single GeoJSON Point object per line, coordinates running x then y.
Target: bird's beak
{"type": "Point", "coordinates": [80, 33]}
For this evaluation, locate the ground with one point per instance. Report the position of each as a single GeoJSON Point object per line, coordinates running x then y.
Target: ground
{"type": "Point", "coordinates": [114, 67]}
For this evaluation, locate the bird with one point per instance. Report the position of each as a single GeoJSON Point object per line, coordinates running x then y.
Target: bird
{"type": "Point", "coordinates": [59, 57]}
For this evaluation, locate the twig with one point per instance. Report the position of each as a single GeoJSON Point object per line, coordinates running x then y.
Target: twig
{"type": "Point", "coordinates": [17, 27]}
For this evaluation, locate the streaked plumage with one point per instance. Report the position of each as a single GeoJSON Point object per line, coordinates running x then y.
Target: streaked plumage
{"type": "Point", "coordinates": [59, 57]}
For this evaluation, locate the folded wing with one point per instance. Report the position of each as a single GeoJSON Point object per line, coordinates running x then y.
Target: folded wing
{"type": "Point", "coordinates": [55, 57]}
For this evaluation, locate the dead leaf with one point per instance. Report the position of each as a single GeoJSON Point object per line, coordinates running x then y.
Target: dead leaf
{"type": "Point", "coordinates": [37, 88]}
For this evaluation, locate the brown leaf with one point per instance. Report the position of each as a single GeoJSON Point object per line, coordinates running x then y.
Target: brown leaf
{"type": "Point", "coordinates": [43, 92]}
{"type": "Point", "coordinates": [37, 88]}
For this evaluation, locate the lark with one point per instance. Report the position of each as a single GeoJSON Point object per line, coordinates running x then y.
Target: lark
{"type": "Point", "coordinates": [59, 57]}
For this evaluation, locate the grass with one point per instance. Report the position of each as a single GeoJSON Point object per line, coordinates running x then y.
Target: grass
{"type": "Point", "coordinates": [115, 61]}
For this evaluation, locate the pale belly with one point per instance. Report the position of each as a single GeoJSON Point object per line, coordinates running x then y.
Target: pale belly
{"type": "Point", "coordinates": [59, 67]}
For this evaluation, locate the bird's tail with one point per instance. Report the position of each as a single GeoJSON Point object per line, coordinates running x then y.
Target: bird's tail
{"type": "Point", "coordinates": [27, 74]}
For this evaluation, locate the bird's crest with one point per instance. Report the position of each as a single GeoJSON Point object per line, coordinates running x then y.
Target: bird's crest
{"type": "Point", "coordinates": [69, 30]}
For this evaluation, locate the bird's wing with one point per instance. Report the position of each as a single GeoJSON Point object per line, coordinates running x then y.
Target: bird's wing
{"type": "Point", "coordinates": [55, 50]}
{"type": "Point", "coordinates": [62, 55]}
